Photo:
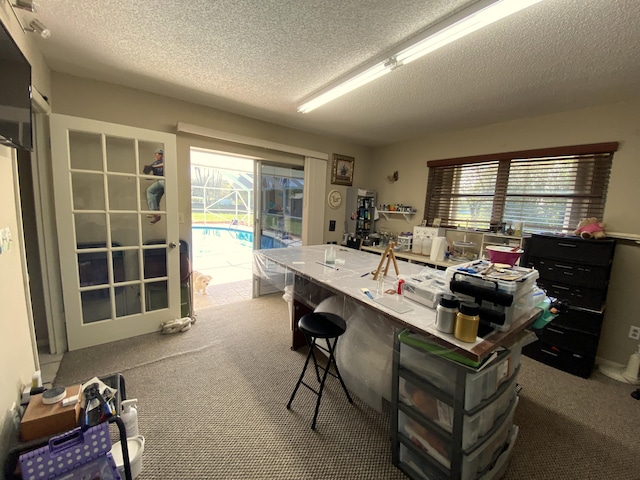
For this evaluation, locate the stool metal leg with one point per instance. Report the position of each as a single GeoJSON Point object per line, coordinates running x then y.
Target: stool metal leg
{"type": "Point", "coordinates": [304, 369]}
{"type": "Point", "coordinates": [332, 361]}
{"type": "Point", "coordinates": [335, 364]}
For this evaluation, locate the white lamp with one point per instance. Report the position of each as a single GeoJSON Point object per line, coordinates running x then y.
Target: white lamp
{"type": "Point", "coordinates": [479, 15]}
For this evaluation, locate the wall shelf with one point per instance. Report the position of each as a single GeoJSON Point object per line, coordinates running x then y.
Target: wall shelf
{"type": "Point", "coordinates": [406, 215]}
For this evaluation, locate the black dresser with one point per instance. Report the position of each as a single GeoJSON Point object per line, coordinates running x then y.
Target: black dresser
{"type": "Point", "coordinates": [576, 270]}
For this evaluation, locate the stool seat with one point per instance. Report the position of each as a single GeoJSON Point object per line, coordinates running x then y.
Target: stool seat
{"type": "Point", "coordinates": [322, 325]}
{"type": "Point", "coordinates": [327, 326]}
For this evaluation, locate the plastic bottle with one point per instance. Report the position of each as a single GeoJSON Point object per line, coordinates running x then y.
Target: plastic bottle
{"type": "Point", "coordinates": [426, 245]}
{"type": "Point", "coordinates": [467, 322]}
{"type": "Point", "coordinates": [129, 417]}
{"type": "Point", "coordinates": [416, 246]}
{"type": "Point", "coordinates": [446, 312]}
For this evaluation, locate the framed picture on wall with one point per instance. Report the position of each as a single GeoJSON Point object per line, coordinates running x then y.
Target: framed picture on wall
{"type": "Point", "coordinates": [342, 170]}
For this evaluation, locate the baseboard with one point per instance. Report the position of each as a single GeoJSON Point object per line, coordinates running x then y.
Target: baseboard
{"type": "Point", "coordinates": [609, 363]}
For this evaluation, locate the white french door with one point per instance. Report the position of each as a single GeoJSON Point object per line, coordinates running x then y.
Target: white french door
{"type": "Point", "coordinates": [120, 272]}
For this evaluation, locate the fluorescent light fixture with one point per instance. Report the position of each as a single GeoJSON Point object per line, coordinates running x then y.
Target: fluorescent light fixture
{"type": "Point", "coordinates": [352, 83]}
{"type": "Point", "coordinates": [480, 15]}
{"type": "Point", "coordinates": [27, 5]}
{"type": "Point", "coordinates": [36, 26]}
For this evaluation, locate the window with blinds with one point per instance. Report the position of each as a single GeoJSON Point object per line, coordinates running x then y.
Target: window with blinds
{"type": "Point", "coordinates": [548, 189]}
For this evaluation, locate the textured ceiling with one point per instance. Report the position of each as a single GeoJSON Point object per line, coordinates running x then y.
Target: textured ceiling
{"type": "Point", "coordinates": [260, 58]}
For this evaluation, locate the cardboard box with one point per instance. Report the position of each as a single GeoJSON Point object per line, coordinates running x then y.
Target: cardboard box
{"type": "Point", "coordinates": [41, 420]}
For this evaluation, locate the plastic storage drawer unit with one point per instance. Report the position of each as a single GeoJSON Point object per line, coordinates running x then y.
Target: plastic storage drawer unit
{"type": "Point", "coordinates": [474, 464]}
{"type": "Point", "coordinates": [474, 426]}
{"type": "Point", "coordinates": [479, 384]}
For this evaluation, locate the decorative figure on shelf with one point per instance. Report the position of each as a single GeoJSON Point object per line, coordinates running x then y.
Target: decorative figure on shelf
{"type": "Point", "coordinates": [590, 228]}
{"type": "Point", "coordinates": [156, 190]}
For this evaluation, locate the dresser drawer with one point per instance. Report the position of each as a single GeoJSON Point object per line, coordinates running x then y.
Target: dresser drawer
{"type": "Point", "coordinates": [578, 342]}
{"type": "Point", "coordinates": [570, 273]}
{"type": "Point", "coordinates": [571, 249]}
{"type": "Point", "coordinates": [560, 358]}
{"type": "Point", "coordinates": [578, 296]}
{"type": "Point", "coordinates": [580, 321]}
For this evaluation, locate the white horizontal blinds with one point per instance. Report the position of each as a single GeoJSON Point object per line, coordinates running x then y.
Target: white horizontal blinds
{"type": "Point", "coordinates": [462, 195]}
{"type": "Point", "coordinates": [555, 193]}
{"type": "Point", "coordinates": [548, 189]}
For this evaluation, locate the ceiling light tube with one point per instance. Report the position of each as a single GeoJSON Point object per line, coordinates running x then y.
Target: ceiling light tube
{"type": "Point", "coordinates": [370, 74]}
{"type": "Point", "coordinates": [480, 15]}
{"type": "Point", "coordinates": [460, 28]}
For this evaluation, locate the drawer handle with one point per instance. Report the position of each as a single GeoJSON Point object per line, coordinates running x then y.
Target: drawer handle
{"type": "Point", "coordinates": [570, 245]}
{"type": "Point", "coordinates": [548, 352]}
{"type": "Point", "coordinates": [560, 287]}
{"type": "Point", "coordinates": [555, 331]}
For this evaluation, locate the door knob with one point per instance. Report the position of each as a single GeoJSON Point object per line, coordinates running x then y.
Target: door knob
{"type": "Point", "coordinates": [173, 244]}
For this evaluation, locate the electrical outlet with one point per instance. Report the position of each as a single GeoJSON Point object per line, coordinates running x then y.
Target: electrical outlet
{"type": "Point", "coordinates": [634, 332]}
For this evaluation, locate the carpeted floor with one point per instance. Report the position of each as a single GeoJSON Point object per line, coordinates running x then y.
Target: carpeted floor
{"type": "Point", "coordinates": [212, 406]}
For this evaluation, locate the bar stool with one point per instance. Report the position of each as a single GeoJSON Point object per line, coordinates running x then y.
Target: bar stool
{"type": "Point", "coordinates": [314, 326]}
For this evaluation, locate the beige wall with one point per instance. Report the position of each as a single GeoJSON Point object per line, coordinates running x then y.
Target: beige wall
{"type": "Point", "coordinates": [618, 122]}
{"type": "Point", "coordinates": [111, 103]}
{"type": "Point", "coordinates": [16, 354]}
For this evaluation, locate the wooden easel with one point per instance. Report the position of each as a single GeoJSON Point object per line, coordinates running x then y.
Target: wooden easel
{"type": "Point", "coordinates": [389, 255]}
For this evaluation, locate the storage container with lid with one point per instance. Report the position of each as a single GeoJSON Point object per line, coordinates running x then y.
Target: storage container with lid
{"type": "Point", "coordinates": [446, 313]}
{"type": "Point", "coordinates": [467, 322]}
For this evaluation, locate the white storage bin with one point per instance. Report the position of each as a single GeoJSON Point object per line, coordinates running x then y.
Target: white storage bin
{"type": "Point", "coordinates": [521, 289]}
{"type": "Point", "coordinates": [474, 426]}
{"type": "Point", "coordinates": [477, 463]}
{"type": "Point", "coordinates": [479, 384]}
{"type": "Point", "coordinates": [425, 287]}
{"type": "Point", "coordinates": [465, 272]}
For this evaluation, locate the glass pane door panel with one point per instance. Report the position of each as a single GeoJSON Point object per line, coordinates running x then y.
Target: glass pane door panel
{"type": "Point", "coordinates": [85, 151]}
{"type": "Point", "coordinates": [120, 189]}
{"type": "Point", "coordinates": [128, 300]}
{"type": "Point", "coordinates": [96, 305]}
{"type": "Point", "coordinates": [151, 193]}
{"type": "Point", "coordinates": [155, 263]}
{"type": "Point", "coordinates": [146, 153]}
{"type": "Point", "coordinates": [91, 228]}
{"type": "Point", "coordinates": [281, 193]}
{"type": "Point", "coordinates": [93, 268]}
{"type": "Point", "coordinates": [157, 297]}
{"type": "Point", "coordinates": [154, 227]}
{"type": "Point", "coordinates": [124, 228]}
{"type": "Point", "coordinates": [88, 191]}
{"type": "Point", "coordinates": [117, 257]}
{"type": "Point", "coordinates": [121, 155]}
{"type": "Point", "coordinates": [130, 265]}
